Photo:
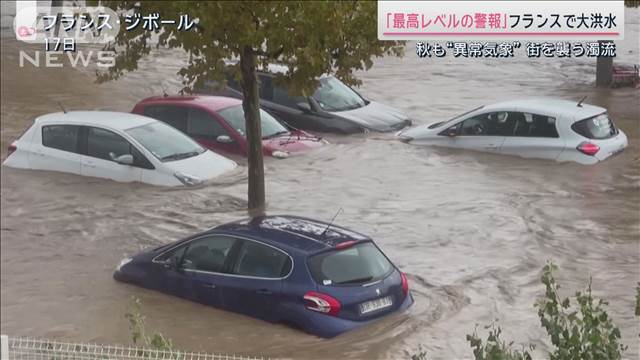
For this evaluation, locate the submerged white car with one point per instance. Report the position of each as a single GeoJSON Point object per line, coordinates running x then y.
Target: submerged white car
{"type": "Point", "coordinates": [119, 146]}
{"type": "Point", "coordinates": [542, 128]}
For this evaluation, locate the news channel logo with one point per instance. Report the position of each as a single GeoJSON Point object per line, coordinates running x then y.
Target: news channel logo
{"type": "Point", "coordinates": [35, 23]}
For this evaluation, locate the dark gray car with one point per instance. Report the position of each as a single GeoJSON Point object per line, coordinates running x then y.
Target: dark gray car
{"type": "Point", "coordinates": [333, 108]}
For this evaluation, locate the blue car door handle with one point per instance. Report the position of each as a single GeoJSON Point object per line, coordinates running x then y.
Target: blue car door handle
{"type": "Point", "coordinates": [264, 292]}
{"type": "Point", "coordinates": [209, 285]}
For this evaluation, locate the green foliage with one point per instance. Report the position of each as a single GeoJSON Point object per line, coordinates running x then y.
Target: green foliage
{"type": "Point", "coordinates": [139, 336]}
{"type": "Point", "coordinates": [583, 333]}
{"type": "Point", "coordinates": [494, 348]}
{"type": "Point", "coordinates": [310, 38]}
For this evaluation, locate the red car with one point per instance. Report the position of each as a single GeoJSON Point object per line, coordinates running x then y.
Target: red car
{"type": "Point", "coordinates": [217, 123]}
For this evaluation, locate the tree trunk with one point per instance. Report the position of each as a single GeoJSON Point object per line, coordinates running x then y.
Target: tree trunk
{"type": "Point", "coordinates": [604, 70]}
{"type": "Point", "coordinates": [251, 106]}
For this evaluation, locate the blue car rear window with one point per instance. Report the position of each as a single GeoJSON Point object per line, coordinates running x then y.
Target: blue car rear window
{"type": "Point", "coordinates": [358, 264]}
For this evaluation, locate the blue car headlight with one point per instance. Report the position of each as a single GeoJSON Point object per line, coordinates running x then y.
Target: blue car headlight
{"type": "Point", "coordinates": [123, 262]}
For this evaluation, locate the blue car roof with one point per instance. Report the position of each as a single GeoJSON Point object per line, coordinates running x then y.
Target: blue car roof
{"type": "Point", "coordinates": [292, 232]}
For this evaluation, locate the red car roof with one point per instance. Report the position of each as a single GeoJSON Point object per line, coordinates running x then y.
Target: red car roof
{"type": "Point", "coordinates": [213, 103]}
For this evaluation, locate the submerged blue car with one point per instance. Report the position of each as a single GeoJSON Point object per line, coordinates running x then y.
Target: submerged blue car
{"type": "Point", "coordinates": [312, 275]}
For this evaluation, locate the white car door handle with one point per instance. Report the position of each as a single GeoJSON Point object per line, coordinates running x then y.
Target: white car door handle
{"type": "Point", "coordinates": [492, 147]}
{"type": "Point", "coordinates": [89, 164]}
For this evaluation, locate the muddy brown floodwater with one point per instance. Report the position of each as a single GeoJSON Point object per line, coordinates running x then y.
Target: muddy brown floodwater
{"type": "Point", "coordinates": [471, 230]}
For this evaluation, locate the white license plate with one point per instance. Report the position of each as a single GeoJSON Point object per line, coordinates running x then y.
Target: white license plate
{"type": "Point", "coordinates": [377, 304]}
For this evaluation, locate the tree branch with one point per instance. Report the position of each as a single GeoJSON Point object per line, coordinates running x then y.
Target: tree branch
{"type": "Point", "coordinates": [271, 55]}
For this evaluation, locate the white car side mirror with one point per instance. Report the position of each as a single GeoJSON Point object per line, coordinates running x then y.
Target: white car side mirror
{"type": "Point", "coordinates": [126, 159]}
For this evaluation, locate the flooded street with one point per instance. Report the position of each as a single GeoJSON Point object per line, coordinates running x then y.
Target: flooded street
{"type": "Point", "coordinates": [471, 230]}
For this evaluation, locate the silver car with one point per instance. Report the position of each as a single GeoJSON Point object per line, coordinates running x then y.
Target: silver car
{"type": "Point", "coordinates": [539, 128]}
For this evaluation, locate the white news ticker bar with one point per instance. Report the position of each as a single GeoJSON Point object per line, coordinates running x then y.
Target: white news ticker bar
{"type": "Point", "coordinates": [436, 31]}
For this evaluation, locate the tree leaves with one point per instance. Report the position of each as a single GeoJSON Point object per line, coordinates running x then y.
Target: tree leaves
{"type": "Point", "coordinates": [586, 333]}
{"type": "Point", "coordinates": [583, 333]}
{"type": "Point", "coordinates": [494, 348]}
{"type": "Point", "coordinates": [309, 38]}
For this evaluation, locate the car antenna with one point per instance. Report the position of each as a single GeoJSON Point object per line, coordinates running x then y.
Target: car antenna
{"type": "Point", "coordinates": [581, 100]}
{"type": "Point", "coordinates": [331, 222]}
{"type": "Point", "coordinates": [62, 107]}
{"type": "Point", "coordinates": [164, 91]}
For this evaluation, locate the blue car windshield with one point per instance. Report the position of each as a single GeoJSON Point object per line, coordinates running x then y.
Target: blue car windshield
{"type": "Point", "coordinates": [358, 264]}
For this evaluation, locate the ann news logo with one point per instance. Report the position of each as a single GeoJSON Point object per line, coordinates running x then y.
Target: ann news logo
{"type": "Point", "coordinates": [60, 29]}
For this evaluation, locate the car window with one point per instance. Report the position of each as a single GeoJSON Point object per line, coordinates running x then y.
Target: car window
{"type": "Point", "coordinates": [258, 260]}
{"type": "Point", "coordinates": [235, 117]}
{"type": "Point", "coordinates": [597, 127]}
{"type": "Point", "coordinates": [105, 144]}
{"type": "Point", "coordinates": [477, 125]}
{"type": "Point", "coordinates": [61, 137]}
{"type": "Point", "coordinates": [358, 264]}
{"type": "Point", "coordinates": [200, 124]}
{"type": "Point", "coordinates": [207, 254]}
{"type": "Point", "coordinates": [175, 255]}
{"type": "Point", "coordinates": [533, 125]}
{"type": "Point", "coordinates": [175, 116]}
{"type": "Point", "coordinates": [505, 122]}
{"type": "Point", "coordinates": [282, 97]}
{"type": "Point", "coordinates": [453, 119]}
{"type": "Point", "coordinates": [488, 124]}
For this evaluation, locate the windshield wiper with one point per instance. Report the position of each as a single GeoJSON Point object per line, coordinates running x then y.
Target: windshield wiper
{"type": "Point", "coordinates": [178, 156]}
{"type": "Point", "coordinates": [355, 281]}
{"type": "Point", "coordinates": [275, 134]}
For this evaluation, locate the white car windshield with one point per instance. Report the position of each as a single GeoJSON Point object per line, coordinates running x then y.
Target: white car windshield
{"type": "Point", "coordinates": [270, 126]}
{"type": "Point", "coordinates": [333, 95]}
{"type": "Point", "coordinates": [165, 142]}
{"type": "Point", "coordinates": [443, 123]}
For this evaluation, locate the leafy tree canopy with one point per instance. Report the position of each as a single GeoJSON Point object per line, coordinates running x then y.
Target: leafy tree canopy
{"type": "Point", "coordinates": [310, 38]}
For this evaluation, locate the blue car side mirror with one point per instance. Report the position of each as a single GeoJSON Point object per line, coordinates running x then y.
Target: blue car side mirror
{"type": "Point", "coordinates": [170, 264]}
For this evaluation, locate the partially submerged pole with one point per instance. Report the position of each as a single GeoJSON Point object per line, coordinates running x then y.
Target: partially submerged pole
{"type": "Point", "coordinates": [604, 68]}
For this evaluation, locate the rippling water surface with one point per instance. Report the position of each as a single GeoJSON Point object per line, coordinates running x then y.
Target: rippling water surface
{"type": "Point", "coordinates": [471, 230]}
